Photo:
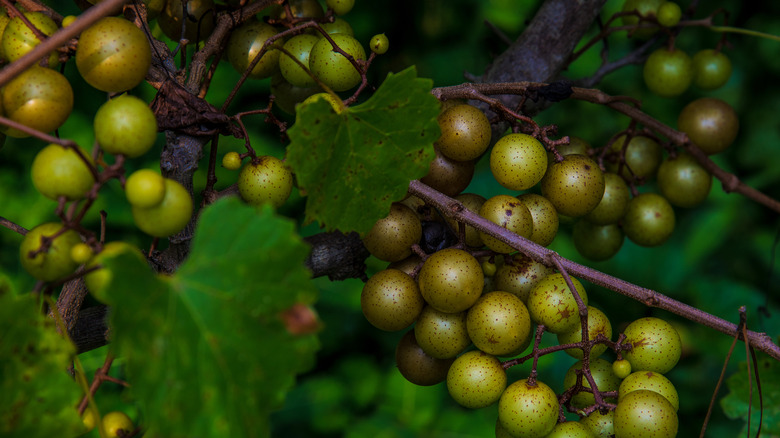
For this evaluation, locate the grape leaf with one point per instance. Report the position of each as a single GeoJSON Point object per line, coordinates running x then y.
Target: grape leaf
{"type": "Point", "coordinates": [353, 165]}
{"type": "Point", "coordinates": [735, 404]}
{"type": "Point", "coordinates": [37, 397]}
{"type": "Point", "coordinates": [207, 349]}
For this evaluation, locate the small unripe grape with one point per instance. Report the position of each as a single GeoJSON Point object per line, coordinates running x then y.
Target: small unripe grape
{"type": "Point", "coordinates": [125, 125]}
{"type": "Point", "coordinates": [265, 180]}
{"type": "Point", "coordinates": [418, 367]}
{"type": "Point", "coordinates": [712, 124]}
{"type": "Point", "coordinates": [465, 132]}
{"type": "Point", "coordinates": [231, 161]}
{"type": "Point", "coordinates": [54, 263]}
{"type": "Point", "coordinates": [518, 161]}
{"type": "Point", "coordinates": [545, 218]}
{"type": "Point", "coordinates": [519, 274]}
{"type": "Point", "coordinates": [115, 421]}
{"type": "Point", "coordinates": [59, 171]}
{"type": "Point", "coordinates": [601, 371]}
{"type": "Point", "coordinates": [552, 304]}
{"type": "Point", "coordinates": [507, 212]}
{"type": "Point", "coordinates": [489, 268]}
{"type": "Point", "coordinates": [649, 220]}
{"type": "Point", "coordinates": [683, 181]}
{"type": "Point", "coordinates": [598, 324]}
{"type": "Point", "coordinates": [645, 414]}
{"type": "Point", "coordinates": [145, 188]}
{"type": "Point", "coordinates": [169, 216]}
{"type": "Point", "coordinates": [498, 323]}
{"type": "Point", "coordinates": [656, 345]}
{"type": "Point", "coordinates": [476, 379]}
{"type": "Point", "coordinates": [391, 300]}
{"type": "Point", "coordinates": [597, 242]}
{"type": "Point", "coordinates": [391, 238]}
{"type": "Point", "coordinates": [621, 368]}
{"type": "Point", "coordinates": [379, 44]}
{"type": "Point", "coordinates": [613, 204]}
{"type": "Point", "coordinates": [528, 410]}
{"type": "Point", "coordinates": [669, 14]}
{"type": "Point", "coordinates": [333, 68]}
{"type": "Point", "coordinates": [441, 335]}
{"type": "Point", "coordinates": [451, 280]}
{"type": "Point", "coordinates": [711, 69]}
{"type": "Point", "coordinates": [40, 98]}
{"type": "Point", "coordinates": [81, 253]}
{"type": "Point", "coordinates": [575, 185]}
{"type": "Point", "coordinates": [652, 382]}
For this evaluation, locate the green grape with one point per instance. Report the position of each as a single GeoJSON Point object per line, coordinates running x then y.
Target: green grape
{"type": "Point", "coordinates": [552, 304]}
{"type": "Point", "coordinates": [683, 181]}
{"type": "Point", "coordinates": [518, 161]}
{"type": "Point", "coordinates": [645, 414]}
{"type": "Point", "coordinates": [489, 268]}
{"type": "Point", "coordinates": [575, 185]}
{"type": "Point", "coordinates": [656, 345]}
{"type": "Point", "coordinates": [576, 145]}
{"type": "Point", "coordinates": [125, 125]}
{"type": "Point", "coordinates": [476, 380]}
{"type": "Point", "coordinates": [545, 218]}
{"type": "Point", "coordinates": [473, 203]}
{"type": "Point", "coordinates": [340, 7]}
{"type": "Point", "coordinates": [113, 55]}
{"type": "Point", "coordinates": [507, 212]}
{"type": "Point", "coordinates": [528, 411]}
{"type": "Point", "coordinates": [198, 24]}
{"type": "Point", "coordinates": [18, 39]}
{"type": "Point", "coordinates": [391, 300]}
{"type": "Point", "coordinates": [169, 216]}
{"type": "Point", "coordinates": [597, 242]}
{"type": "Point", "coordinates": [498, 323]}
{"type": "Point", "coordinates": [441, 335]}
{"type": "Point", "coordinates": [646, 8]}
{"type": "Point", "coordinates": [287, 95]}
{"type": "Point", "coordinates": [519, 274]}
{"type": "Point", "coordinates": [669, 14]}
{"type": "Point", "coordinates": [145, 188]}
{"type": "Point", "coordinates": [339, 25]}
{"type": "Point", "coordinates": [621, 368]}
{"type": "Point", "coordinates": [668, 73]}
{"type": "Point", "coordinates": [451, 280]}
{"type": "Point", "coordinates": [465, 132]}
{"type": "Point", "coordinates": [379, 44]}
{"type": "Point", "coordinates": [245, 44]}
{"type": "Point", "coordinates": [649, 220]}
{"type": "Point", "coordinates": [600, 425]}
{"type": "Point", "coordinates": [81, 253]}
{"type": "Point", "coordinates": [448, 176]}
{"type": "Point", "coordinates": [598, 324]}
{"type": "Point", "coordinates": [642, 157]}
{"type": "Point", "coordinates": [39, 98]}
{"type": "Point", "coordinates": [711, 69]}
{"type": "Point", "coordinates": [55, 262]}
{"type": "Point", "coordinates": [98, 280]}
{"type": "Point", "coordinates": [569, 429]}
{"type": "Point", "coordinates": [613, 204]}
{"type": "Point", "coordinates": [601, 371]}
{"type": "Point", "coordinates": [710, 123]}
{"type": "Point", "coordinates": [264, 180]}
{"type": "Point", "coordinates": [650, 381]}
{"type": "Point", "coordinates": [66, 21]}
{"type": "Point", "coordinates": [299, 47]}
{"type": "Point", "coordinates": [59, 171]}
{"type": "Point", "coordinates": [333, 68]}
{"type": "Point", "coordinates": [391, 238]}
{"type": "Point", "coordinates": [418, 367]}
{"type": "Point", "coordinates": [231, 160]}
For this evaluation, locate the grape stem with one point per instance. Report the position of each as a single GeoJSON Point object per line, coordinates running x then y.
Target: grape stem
{"type": "Point", "coordinates": [650, 298]}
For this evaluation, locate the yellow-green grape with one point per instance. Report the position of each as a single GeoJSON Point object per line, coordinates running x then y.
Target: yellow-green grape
{"type": "Point", "coordinates": [519, 274]}
{"type": "Point", "coordinates": [333, 68]}
{"type": "Point", "coordinates": [451, 280]}
{"type": "Point", "coordinates": [649, 220]}
{"type": "Point", "coordinates": [145, 188]}
{"type": "Point", "coordinates": [340, 7]}
{"type": "Point", "coordinates": [245, 44]}
{"type": "Point", "coordinates": [650, 381]}
{"type": "Point", "coordinates": [476, 380]}
{"type": "Point", "coordinates": [645, 414]}
{"type": "Point", "coordinates": [231, 160]}
{"type": "Point", "coordinates": [4, 20]}
{"type": "Point", "coordinates": [621, 368]}
{"type": "Point", "coordinates": [299, 47]}
{"type": "Point", "coordinates": [518, 161]}
{"type": "Point", "coordinates": [60, 171]}
{"type": "Point", "coordinates": [441, 335]}
{"type": "Point", "coordinates": [598, 324]}
{"type": "Point", "coordinates": [574, 185]}
{"type": "Point", "coordinates": [528, 410]}
{"type": "Point", "coordinates": [473, 202]}
{"type": "Point", "coordinates": [544, 216]}
{"type": "Point", "coordinates": [391, 238]}
{"type": "Point", "coordinates": [391, 300]}
{"type": "Point", "coordinates": [379, 44]}
{"type": "Point", "coordinates": [613, 204]}
{"type": "Point", "coordinates": [712, 69]}
{"type": "Point", "coordinates": [656, 345]}
{"type": "Point", "coordinates": [265, 180]}
{"type": "Point", "coordinates": [169, 216]}
{"type": "Point", "coordinates": [125, 125]}
{"type": "Point", "coordinates": [552, 304]}
{"type": "Point", "coordinates": [81, 253]}
{"type": "Point", "coordinates": [669, 14]}
{"type": "Point", "coordinates": [113, 55]}
{"type": "Point", "coordinates": [600, 425]}
{"type": "Point", "coordinates": [465, 132]}
{"type": "Point", "coordinates": [18, 39]}
{"type": "Point", "coordinates": [605, 379]}
{"type": "Point", "coordinates": [68, 20]}
{"type": "Point", "coordinates": [418, 367]}
{"type": "Point", "coordinates": [97, 280]}
{"type": "Point", "coordinates": [498, 323]}
{"type": "Point", "coordinates": [39, 98]}
{"type": "Point", "coordinates": [115, 421]}
{"type": "Point", "coordinates": [569, 429]}
{"type": "Point", "coordinates": [89, 419]}
{"type": "Point", "coordinates": [339, 25]}
{"type": "Point", "coordinates": [489, 268]}
{"type": "Point", "coordinates": [55, 262]}
{"type": "Point", "coordinates": [683, 181]}
{"type": "Point", "coordinates": [642, 157]}
{"type": "Point", "coordinates": [507, 212]}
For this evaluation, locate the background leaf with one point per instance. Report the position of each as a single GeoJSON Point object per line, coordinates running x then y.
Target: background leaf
{"type": "Point", "coordinates": [206, 348]}
{"type": "Point", "coordinates": [353, 165]}
{"type": "Point", "coordinates": [735, 404]}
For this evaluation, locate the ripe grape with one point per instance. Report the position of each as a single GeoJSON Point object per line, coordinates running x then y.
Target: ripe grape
{"type": "Point", "coordinates": [652, 382]}
{"type": "Point", "coordinates": [498, 323]}
{"type": "Point", "coordinates": [645, 414]}
{"type": "Point", "coordinates": [465, 132]}
{"type": "Point", "coordinates": [476, 379]}
{"type": "Point", "coordinates": [613, 204]}
{"type": "Point", "coordinates": [391, 238]}
{"type": "Point", "coordinates": [552, 304]}
{"type": "Point", "coordinates": [518, 161]}
{"type": "Point", "coordinates": [710, 123]}
{"type": "Point", "coordinates": [125, 125]}
{"type": "Point", "coordinates": [600, 425]}
{"type": "Point", "coordinates": [668, 73]}
{"type": "Point", "coordinates": [597, 242]}
{"type": "Point", "coordinates": [418, 367]}
{"type": "Point", "coordinates": [391, 300]}
{"type": "Point", "coordinates": [55, 262]}
{"type": "Point", "coordinates": [169, 216]}
{"type": "Point", "coordinates": [299, 47]}
{"type": "Point", "coordinates": [603, 376]}
{"type": "Point", "coordinates": [507, 212]}
{"type": "Point", "coordinates": [683, 181]}
{"type": "Point", "coordinates": [18, 39]}
{"type": "Point", "coordinates": [575, 185]}
{"type": "Point", "coordinates": [519, 274]}
{"type": "Point", "coordinates": [333, 68]}
{"type": "Point", "coordinates": [598, 324]}
{"type": "Point", "coordinates": [526, 410]}
{"type": "Point", "coordinates": [448, 176]}
{"type": "Point", "coordinates": [712, 69]}
{"type": "Point", "coordinates": [60, 171]}
{"type": "Point", "coordinates": [264, 180]}
{"type": "Point", "coordinates": [649, 220]}
{"type": "Point", "coordinates": [451, 280]}
{"type": "Point", "coordinates": [545, 218]}
{"type": "Point", "coordinates": [642, 157]}
{"type": "Point", "coordinates": [39, 98]}
{"type": "Point", "coordinates": [245, 44]}
{"type": "Point", "coordinates": [656, 345]}
{"type": "Point", "coordinates": [441, 335]}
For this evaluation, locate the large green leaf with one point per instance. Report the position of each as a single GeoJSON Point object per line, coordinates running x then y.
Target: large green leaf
{"type": "Point", "coordinates": [353, 165]}
{"type": "Point", "coordinates": [736, 403]}
{"type": "Point", "coordinates": [207, 350]}
{"type": "Point", "coordinates": [37, 395]}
